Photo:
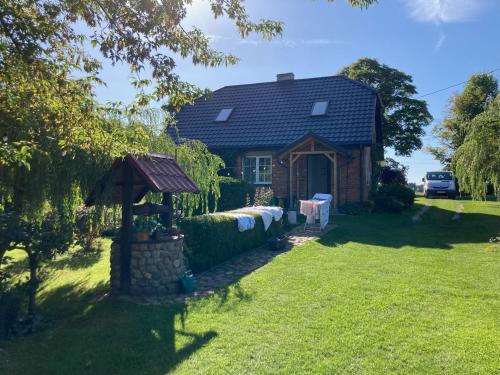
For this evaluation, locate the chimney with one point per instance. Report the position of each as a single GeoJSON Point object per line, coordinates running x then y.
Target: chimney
{"type": "Point", "coordinates": [285, 77]}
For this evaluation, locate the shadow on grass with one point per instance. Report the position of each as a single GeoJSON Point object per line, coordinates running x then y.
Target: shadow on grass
{"type": "Point", "coordinates": [76, 260]}
{"type": "Point", "coordinates": [92, 333]}
{"type": "Point", "coordinates": [225, 298]}
{"type": "Point", "coordinates": [436, 230]}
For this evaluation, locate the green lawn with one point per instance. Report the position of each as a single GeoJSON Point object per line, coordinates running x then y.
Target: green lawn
{"type": "Point", "coordinates": [377, 295]}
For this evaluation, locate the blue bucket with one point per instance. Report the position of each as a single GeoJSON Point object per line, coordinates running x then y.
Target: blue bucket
{"type": "Point", "coordinates": [188, 282]}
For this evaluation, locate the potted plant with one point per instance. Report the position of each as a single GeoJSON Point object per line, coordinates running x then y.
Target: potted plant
{"type": "Point", "coordinates": [161, 233]}
{"type": "Point", "coordinates": [143, 227]}
{"type": "Point", "coordinates": [277, 243]}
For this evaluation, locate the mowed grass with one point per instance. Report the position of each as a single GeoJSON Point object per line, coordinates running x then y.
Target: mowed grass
{"type": "Point", "coordinates": [377, 295]}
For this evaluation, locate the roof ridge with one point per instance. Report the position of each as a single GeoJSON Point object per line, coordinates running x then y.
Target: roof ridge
{"type": "Point", "coordinates": [359, 83]}
{"type": "Point", "coordinates": [281, 82]}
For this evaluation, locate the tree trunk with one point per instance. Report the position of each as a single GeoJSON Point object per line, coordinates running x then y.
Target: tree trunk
{"type": "Point", "coordinates": [33, 283]}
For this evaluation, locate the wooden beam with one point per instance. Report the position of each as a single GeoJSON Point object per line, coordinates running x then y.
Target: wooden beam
{"type": "Point", "coordinates": [335, 183]}
{"type": "Point", "coordinates": [295, 156]}
{"type": "Point", "coordinates": [149, 209]}
{"type": "Point", "coordinates": [332, 158]}
{"type": "Point", "coordinates": [298, 185]}
{"type": "Point", "coordinates": [290, 170]}
{"type": "Point", "coordinates": [126, 230]}
{"type": "Point", "coordinates": [300, 153]}
{"type": "Point", "coordinates": [167, 216]}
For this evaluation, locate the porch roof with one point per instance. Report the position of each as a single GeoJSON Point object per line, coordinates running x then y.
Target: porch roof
{"type": "Point", "coordinates": [313, 137]}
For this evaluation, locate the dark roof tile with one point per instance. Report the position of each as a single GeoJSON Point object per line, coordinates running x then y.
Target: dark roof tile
{"type": "Point", "coordinates": [275, 114]}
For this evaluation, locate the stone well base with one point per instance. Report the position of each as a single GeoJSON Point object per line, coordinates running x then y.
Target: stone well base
{"type": "Point", "coordinates": [155, 267]}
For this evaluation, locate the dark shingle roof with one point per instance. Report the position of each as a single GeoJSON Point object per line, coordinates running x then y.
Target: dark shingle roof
{"type": "Point", "coordinates": [153, 172]}
{"type": "Point", "coordinates": [274, 114]}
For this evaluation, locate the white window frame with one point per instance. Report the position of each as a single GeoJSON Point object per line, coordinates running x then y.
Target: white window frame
{"type": "Point", "coordinates": [257, 164]}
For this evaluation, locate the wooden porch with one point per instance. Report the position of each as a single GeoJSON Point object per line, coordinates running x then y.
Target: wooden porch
{"type": "Point", "coordinates": [310, 145]}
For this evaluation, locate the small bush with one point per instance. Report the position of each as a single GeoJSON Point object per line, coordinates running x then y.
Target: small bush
{"type": "Point", "coordinates": [233, 193]}
{"type": "Point", "coordinates": [263, 196]}
{"type": "Point", "coordinates": [357, 208]}
{"type": "Point", "coordinates": [212, 239]}
{"type": "Point", "coordinates": [10, 306]}
{"type": "Point", "coordinates": [388, 204]}
{"type": "Point", "coordinates": [390, 176]}
{"type": "Point", "coordinates": [402, 193]}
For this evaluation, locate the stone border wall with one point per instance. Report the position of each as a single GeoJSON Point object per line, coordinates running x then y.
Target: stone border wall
{"type": "Point", "coordinates": [155, 267]}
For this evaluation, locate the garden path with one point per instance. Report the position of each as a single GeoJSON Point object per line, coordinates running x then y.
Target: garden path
{"type": "Point", "coordinates": [225, 274]}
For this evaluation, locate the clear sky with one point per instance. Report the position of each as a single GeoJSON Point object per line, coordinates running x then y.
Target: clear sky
{"type": "Point", "coordinates": [438, 42]}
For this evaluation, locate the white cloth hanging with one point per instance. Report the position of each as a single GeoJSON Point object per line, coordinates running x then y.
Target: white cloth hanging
{"type": "Point", "coordinates": [323, 197]}
{"type": "Point", "coordinates": [245, 221]}
{"type": "Point", "coordinates": [268, 213]}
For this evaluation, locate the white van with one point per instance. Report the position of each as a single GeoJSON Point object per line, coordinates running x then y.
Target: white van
{"type": "Point", "coordinates": [439, 184]}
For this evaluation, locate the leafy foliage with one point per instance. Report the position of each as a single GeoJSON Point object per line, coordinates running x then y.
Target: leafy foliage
{"type": "Point", "coordinates": [393, 194]}
{"type": "Point", "coordinates": [404, 116]}
{"type": "Point", "coordinates": [388, 204]}
{"type": "Point", "coordinates": [212, 239]}
{"type": "Point", "coordinates": [477, 160]}
{"type": "Point", "coordinates": [263, 196]}
{"type": "Point", "coordinates": [233, 193]}
{"type": "Point", "coordinates": [479, 91]}
{"type": "Point", "coordinates": [401, 193]}
{"type": "Point", "coordinates": [41, 240]}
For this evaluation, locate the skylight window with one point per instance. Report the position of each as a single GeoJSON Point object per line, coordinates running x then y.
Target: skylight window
{"type": "Point", "coordinates": [224, 114]}
{"type": "Point", "coordinates": [319, 108]}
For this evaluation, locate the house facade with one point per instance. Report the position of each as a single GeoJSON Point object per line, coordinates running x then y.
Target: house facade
{"type": "Point", "coordinates": [297, 136]}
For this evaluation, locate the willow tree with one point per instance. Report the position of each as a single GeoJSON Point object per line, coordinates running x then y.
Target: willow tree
{"type": "Point", "coordinates": [477, 160]}
{"type": "Point", "coordinates": [479, 90]}
{"type": "Point", "coordinates": [55, 138]}
{"type": "Point", "coordinates": [193, 156]}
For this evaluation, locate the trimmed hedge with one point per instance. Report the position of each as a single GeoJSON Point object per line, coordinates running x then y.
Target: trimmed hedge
{"type": "Point", "coordinates": [393, 198]}
{"type": "Point", "coordinates": [212, 239]}
{"type": "Point", "coordinates": [402, 193]}
{"type": "Point", "coordinates": [388, 204]}
{"type": "Point", "coordinates": [233, 193]}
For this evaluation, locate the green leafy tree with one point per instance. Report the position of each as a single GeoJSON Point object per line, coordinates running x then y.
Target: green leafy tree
{"type": "Point", "coordinates": [404, 116]}
{"type": "Point", "coordinates": [479, 91]}
{"type": "Point", "coordinates": [41, 240]}
{"type": "Point", "coordinates": [56, 139]}
{"type": "Point", "coordinates": [477, 159]}
{"type": "Point", "coordinates": [146, 35]}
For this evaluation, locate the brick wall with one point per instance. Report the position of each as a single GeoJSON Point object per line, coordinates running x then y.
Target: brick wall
{"type": "Point", "coordinates": [351, 176]}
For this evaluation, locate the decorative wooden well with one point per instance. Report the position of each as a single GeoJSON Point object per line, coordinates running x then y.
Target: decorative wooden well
{"type": "Point", "coordinates": [152, 266]}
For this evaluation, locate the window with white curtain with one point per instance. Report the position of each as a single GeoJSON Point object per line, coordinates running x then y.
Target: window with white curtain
{"type": "Point", "coordinates": [258, 169]}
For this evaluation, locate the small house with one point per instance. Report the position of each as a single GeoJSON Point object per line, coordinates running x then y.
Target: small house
{"type": "Point", "coordinates": [297, 136]}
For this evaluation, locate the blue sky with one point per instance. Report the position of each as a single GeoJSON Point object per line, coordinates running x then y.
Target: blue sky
{"type": "Point", "coordinates": [438, 42]}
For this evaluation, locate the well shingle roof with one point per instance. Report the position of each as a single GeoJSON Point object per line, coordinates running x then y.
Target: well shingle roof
{"type": "Point", "coordinates": [275, 114]}
{"type": "Point", "coordinates": [153, 172]}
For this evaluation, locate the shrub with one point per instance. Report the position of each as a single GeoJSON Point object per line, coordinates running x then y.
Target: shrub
{"type": "Point", "coordinates": [263, 196]}
{"type": "Point", "coordinates": [212, 239]}
{"type": "Point", "coordinates": [356, 208]}
{"type": "Point", "coordinates": [388, 204]}
{"type": "Point", "coordinates": [393, 173]}
{"type": "Point", "coordinates": [10, 306]}
{"type": "Point", "coordinates": [233, 193]}
{"type": "Point", "coordinates": [85, 229]}
{"type": "Point", "coordinates": [402, 193]}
